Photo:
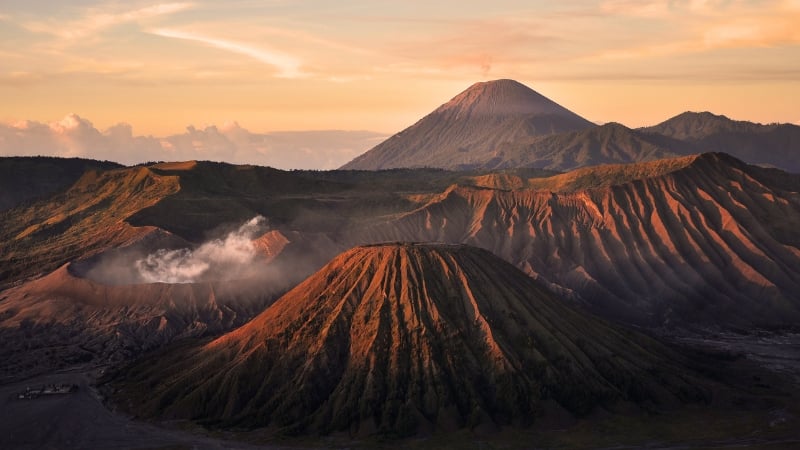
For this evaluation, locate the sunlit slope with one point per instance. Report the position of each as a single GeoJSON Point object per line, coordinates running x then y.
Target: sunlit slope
{"type": "Point", "coordinates": [88, 217]}
{"type": "Point", "coordinates": [24, 179]}
{"type": "Point", "coordinates": [398, 339]}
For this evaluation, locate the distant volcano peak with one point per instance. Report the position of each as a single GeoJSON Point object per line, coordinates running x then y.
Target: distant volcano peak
{"type": "Point", "coordinates": [503, 98]}
{"type": "Point", "coordinates": [472, 128]}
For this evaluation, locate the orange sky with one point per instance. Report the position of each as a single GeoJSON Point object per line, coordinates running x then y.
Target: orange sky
{"type": "Point", "coordinates": [357, 65]}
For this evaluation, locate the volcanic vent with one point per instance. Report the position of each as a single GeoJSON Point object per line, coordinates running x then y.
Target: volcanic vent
{"type": "Point", "coordinates": [408, 338]}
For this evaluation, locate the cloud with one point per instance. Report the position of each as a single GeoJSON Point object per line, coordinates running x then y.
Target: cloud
{"type": "Point", "coordinates": [664, 8]}
{"type": "Point", "coordinates": [287, 65]}
{"type": "Point", "coordinates": [95, 20]}
{"type": "Point", "coordinates": [687, 29]}
{"type": "Point", "coordinates": [75, 136]}
{"type": "Point", "coordinates": [636, 8]}
{"type": "Point", "coordinates": [754, 31]}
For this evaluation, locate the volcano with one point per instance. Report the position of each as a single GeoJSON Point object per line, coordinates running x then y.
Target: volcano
{"type": "Point", "coordinates": [399, 339]}
{"type": "Point", "coordinates": [472, 129]}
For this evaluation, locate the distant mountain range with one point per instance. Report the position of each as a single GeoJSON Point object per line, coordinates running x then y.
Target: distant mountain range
{"type": "Point", "coordinates": [504, 124]}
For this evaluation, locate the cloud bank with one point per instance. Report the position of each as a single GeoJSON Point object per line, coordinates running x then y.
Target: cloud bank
{"type": "Point", "coordinates": [74, 136]}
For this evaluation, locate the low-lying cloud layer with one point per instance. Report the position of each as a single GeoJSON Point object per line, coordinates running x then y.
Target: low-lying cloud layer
{"type": "Point", "coordinates": [74, 136]}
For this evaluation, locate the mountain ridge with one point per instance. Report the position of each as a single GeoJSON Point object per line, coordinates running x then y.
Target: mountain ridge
{"type": "Point", "coordinates": [503, 124]}
{"type": "Point", "coordinates": [774, 144]}
{"type": "Point", "coordinates": [710, 240]}
{"type": "Point", "coordinates": [596, 234]}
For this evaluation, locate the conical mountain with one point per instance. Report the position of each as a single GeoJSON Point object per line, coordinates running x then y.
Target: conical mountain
{"type": "Point", "coordinates": [472, 128]}
{"type": "Point", "coordinates": [399, 339]}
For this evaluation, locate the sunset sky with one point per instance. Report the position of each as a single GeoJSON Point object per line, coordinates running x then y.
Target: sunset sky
{"type": "Point", "coordinates": [381, 65]}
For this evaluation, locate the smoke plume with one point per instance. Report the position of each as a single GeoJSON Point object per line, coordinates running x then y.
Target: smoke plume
{"type": "Point", "coordinates": [227, 258]}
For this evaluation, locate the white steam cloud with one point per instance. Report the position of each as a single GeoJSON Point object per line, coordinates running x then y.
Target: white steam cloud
{"type": "Point", "coordinates": [227, 258]}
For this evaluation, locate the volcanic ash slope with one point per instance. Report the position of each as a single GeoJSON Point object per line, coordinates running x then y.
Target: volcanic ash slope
{"type": "Point", "coordinates": [399, 339]}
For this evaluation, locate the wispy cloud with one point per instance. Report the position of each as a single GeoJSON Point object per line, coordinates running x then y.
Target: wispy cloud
{"type": "Point", "coordinates": [691, 27]}
{"type": "Point", "coordinates": [288, 66]}
{"type": "Point", "coordinates": [754, 31]}
{"type": "Point", "coordinates": [96, 20]}
{"type": "Point", "coordinates": [665, 8]}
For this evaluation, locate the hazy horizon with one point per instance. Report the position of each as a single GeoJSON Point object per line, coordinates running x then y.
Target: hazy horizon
{"type": "Point", "coordinates": [161, 66]}
{"type": "Point", "coordinates": [76, 136]}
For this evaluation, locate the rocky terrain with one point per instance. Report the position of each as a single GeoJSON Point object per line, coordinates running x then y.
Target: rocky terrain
{"type": "Point", "coordinates": [399, 339]}
{"type": "Point", "coordinates": [66, 318]}
{"type": "Point", "coordinates": [687, 243]}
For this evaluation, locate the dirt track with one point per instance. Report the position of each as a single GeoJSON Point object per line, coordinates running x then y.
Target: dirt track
{"type": "Point", "coordinates": [80, 420]}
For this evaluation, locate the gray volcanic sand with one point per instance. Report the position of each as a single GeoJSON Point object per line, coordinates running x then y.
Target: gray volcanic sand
{"type": "Point", "coordinates": [80, 420]}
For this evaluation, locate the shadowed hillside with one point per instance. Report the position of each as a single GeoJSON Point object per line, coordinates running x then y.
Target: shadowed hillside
{"type": "Point", "coordinates": [611, 143]}
{"type": "Point", "coordinates": [23, 179]}
{"type": "Point", "coordinates": [776, 145]}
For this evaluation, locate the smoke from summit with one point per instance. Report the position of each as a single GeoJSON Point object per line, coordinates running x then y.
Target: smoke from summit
{"type": "Point", "coordinates": [227, 258]}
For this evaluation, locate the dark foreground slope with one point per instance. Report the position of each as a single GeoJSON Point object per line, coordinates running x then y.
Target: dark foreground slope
{"type": "Point", "coordinates": [66, 318]}
{"type": "Point", "coordinates": [401, 338]}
